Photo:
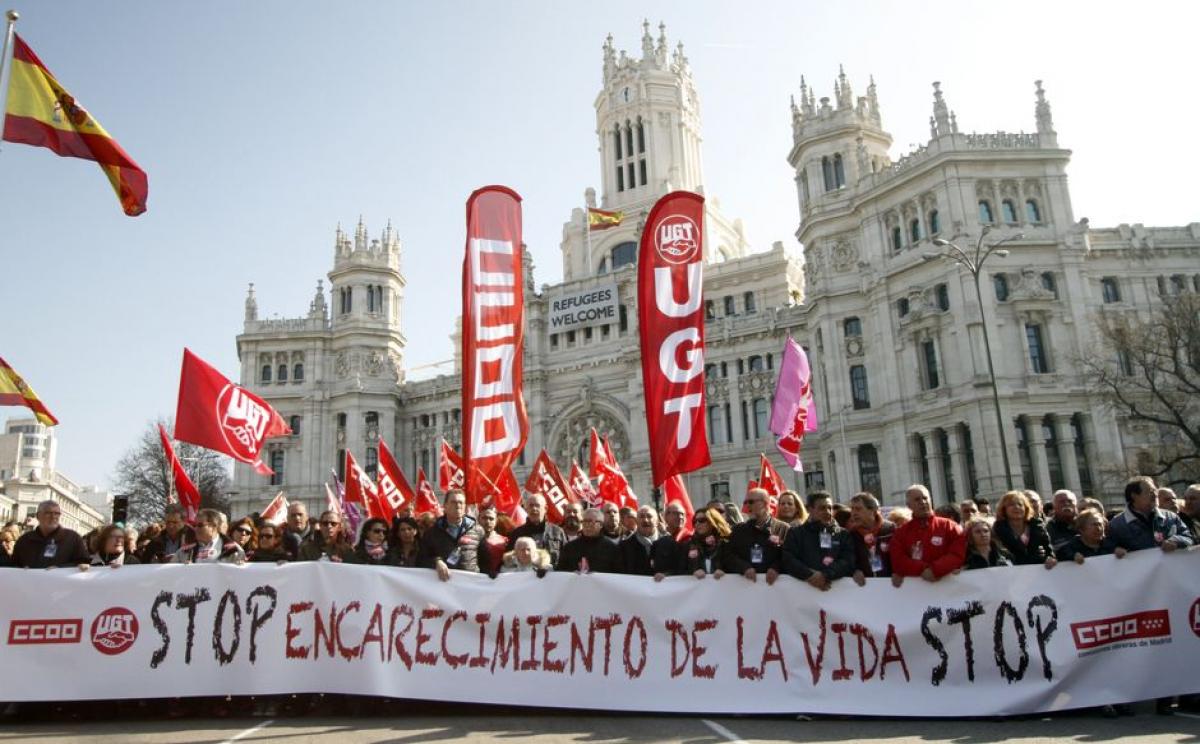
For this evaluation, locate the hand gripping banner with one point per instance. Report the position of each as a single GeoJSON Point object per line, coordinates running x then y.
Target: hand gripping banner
{"type": "Point", "coordinates": [495, 425]}
{"type": "Point", "coordinates": [671, 323]}
{"type": "Point", "coordinates": [1000, 641]}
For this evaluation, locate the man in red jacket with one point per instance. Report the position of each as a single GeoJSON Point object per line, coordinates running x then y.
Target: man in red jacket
{"type": "Point", "coordinates": [927, 546]}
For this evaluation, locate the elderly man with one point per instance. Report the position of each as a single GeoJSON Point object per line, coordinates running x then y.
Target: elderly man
{"type": "Point", "coordinates": [546, 535]}
{"type": "Point", "coordinates": [637, 549]}
{"type": "Point", "coordinates": [872, 538]}
{"type": "Point", "coordinates": [174, 535]}
{"type": "Point", "coordinates": [210, 545]}
{"type": "Point", "coordinates": [1061, 526]}
{"type": "Point", "coordinates": [1190, 513]}
{"type": "Point", "coordinates": [1143, 525]}
{"type": "Point", "coordinates": [49, 544]}
{"type": "Point", "coordinates": [676, 518]}
{"type": "Point", "coordinates": [927, 546]}
{"type": "Point", "coordinates": [1167, 500]}
{"type": "Point", "coordinates": [298, 529]}
{"type": "Point", "coordinates": [819, 551]}
{"type": "Point", "coordinates": [452, 541]}
{"type": "Point", "coordinates": [591, 552]}
{"type": "Point", "coordinates": [572, 521]}
{"type": "Point", "coordinates": [756, 545]}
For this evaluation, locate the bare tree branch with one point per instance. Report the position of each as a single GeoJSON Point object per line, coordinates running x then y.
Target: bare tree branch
{"type": "Point", "coordinates": [144, 474]}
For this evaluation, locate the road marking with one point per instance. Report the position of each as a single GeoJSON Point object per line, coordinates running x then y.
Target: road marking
{"type": "Point", "coordinates": [1188, 715]}
{"type": "Point", "coordinates": [723, 732]}
{"type": "Point", "coordinates": [249, 731]}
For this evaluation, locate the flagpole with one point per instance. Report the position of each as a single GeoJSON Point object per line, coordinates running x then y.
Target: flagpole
{"type": "Point", "coordinates": [6, 66]}
{"type": "Point", "coordinates": [587, 237]}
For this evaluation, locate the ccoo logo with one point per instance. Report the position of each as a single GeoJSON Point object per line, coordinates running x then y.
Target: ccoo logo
{"type": "Point", "coordinates": [114, 631]}
{"type": "Point", "coordinates": [677, 239]}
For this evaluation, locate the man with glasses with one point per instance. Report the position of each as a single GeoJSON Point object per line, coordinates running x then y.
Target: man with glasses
{"type": "Point", "coordinates": [174, 535]}
{"type": "Point", "coordinates": [298, 529]}
{"type": "Point", "coordinates": [210, 545]}
{"type": "Point", "coordinates": [334, 543]}
{"type": "Point", "coordinates": [756, 545]}
{"type": "Point", "coordinates": [49, 544]}
{"type": "Point", "coordinates": [592, 551]}
{"type": "Point", "coordinates": [453, 540]}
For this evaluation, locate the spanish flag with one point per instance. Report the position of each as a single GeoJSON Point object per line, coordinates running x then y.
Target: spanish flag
{"type": "Point", "coordinates": [599, 219]}
{"type": "Point", "coordinates": [14, 392]}
{"type": "Point", "coordinates": [42, 113]}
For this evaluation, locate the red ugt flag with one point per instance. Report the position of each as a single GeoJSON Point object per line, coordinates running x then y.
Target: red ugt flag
{"type": "Point", "coordinates": [582, 486]}
{"type": "Point", "coordinates": [214, 413]}
{"type": "Point", "coordinates": [189, 495]}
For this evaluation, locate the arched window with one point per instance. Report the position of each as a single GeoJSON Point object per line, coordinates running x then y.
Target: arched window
{"type": "Point", "coordinates": [914, 231]}
{"type": "Point", "coordinates": [1049, 284]}
{"type": "Point", "coordinates": [266, 373]}
{"type": "Point", "coordinates": [859, 392]}
{"type": "Point", "coordinates": [942, 294]}
{"type": "Point", "coordinates": [761, 417]}
{"type": "Point", "coordinates": [371, 419]}
{"type": "Point", "coordinates": [294, 425]}
{"type": "Point", "coordinates": [1110, 290]}
{"type": "Point", "coordinates": [1009, 210]}
{"type": "Point", "coordinates": [756, 363]}
{"type": "Point", "coordinates": [298, 372]}
{"type": "Point", "coordinates": [935, 223]}
{"type": "Point", "coordinates": [897, 239]}
{"type": "Point", "coordinates": [985, 212]}
{"type": "Point", "coordinates": [281, 376]}
{"type": "Point", "coordinates": [641, 136]}
{"type": "Point", "coordinates": [1000, 284]}
{"type": "Point", "coordinates": [624, 253]}
{"type": "Point", "coordinates": [839, 171]}
{"type": "Point", "coordinates": [1032, 213]}
{"type": "Point", "coordinates": [827, 172]}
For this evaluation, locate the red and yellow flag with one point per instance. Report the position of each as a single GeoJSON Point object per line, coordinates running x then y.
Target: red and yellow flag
{"type": "Point", "coordinates": [42, 113]}
{"type": "Point", "coordinates": [15, 392]}
{"type": "Point", "coordinates": [600, 219]}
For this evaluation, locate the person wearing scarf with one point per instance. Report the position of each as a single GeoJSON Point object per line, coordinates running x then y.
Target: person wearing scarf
{"type": "Point", "coordinates": [110, 549]}
{"type": "Point", "coordinates": [705, 551]}
{"type": "Point", "coordinates": [372, 548]}
{"type": "Point", "coordinates": [872, 538]}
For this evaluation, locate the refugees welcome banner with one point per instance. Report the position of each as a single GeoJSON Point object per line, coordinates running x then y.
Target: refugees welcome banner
{"type": "Point", "coordinates": [999, 641]}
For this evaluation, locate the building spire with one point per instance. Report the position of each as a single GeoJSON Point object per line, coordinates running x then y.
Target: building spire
{"type": "Point", "coordinates": [610, 58]}
{"type": "Point", "coordinates": [360, 235]}
{"type": "Point", "coordinates": [317, 308]}
{"type": "Point", "coordinates": [647, 42]}
{"type": "Point", "coordinates": [873, 100]}
{"type": "Point", "coordinates": [1045, 121]}
{"type": "Point", "coordinates": [939, 124]}
{"type": "Point", "coordinates": [845, 98]}
{"type": "Point", "coordinates": [251, 304]}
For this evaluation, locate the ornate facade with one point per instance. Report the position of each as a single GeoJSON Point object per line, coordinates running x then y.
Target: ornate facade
{"type": "Point", "coordinates": [895, 339]}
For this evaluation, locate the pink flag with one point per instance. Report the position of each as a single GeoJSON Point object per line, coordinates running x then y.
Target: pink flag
{"type": "Point", "coordinates": [794, 413]}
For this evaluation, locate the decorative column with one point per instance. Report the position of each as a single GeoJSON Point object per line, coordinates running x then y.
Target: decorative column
{"type": "Point", "coordinates": [1087, 429]}
{"type": "Point", "coordinates": [1066, 451]}
{"type": "Point", "coordinates": [1037, 455]}
{"type": "Point", "coordinates": [958, 462]}
{"type": "Point", "coordinates": [937, 479]}
{"type": "Point", "coordinates": [855, 482]}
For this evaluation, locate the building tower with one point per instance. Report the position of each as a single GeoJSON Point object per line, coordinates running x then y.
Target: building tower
{"type": "Point", "coordinates": [648, 125]}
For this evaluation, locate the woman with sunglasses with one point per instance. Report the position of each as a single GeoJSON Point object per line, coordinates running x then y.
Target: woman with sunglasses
{"type": "Point", "coordinates": [705, 552]}
{"type": "Point", "coordinates": [407, 541]}
{"type": "Point", "coordinates": [245, 534]}
{"type": "Point", "coordinates": [333, 545]}
{"type": "Point", "coordinates": [270, 545]}
{"type": "Point", "coordinates": [373, 548]}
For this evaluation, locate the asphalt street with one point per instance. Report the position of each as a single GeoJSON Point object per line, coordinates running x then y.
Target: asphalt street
{"type": "Point", "coordinates": [478, 724]}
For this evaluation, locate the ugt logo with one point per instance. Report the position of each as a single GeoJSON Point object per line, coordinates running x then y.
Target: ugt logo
{"type": "Point", "coordinates": [677, 239]}
{"type": "Point", "coordinates": [243, 421]}
{"type": "Point", "coordinates": [114, 631]}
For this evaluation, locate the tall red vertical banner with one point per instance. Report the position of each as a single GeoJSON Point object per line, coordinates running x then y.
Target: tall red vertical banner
{"type": "Point", "coordinates": [495, 424]}
{"type": "Point", "coordinates": [671, 324]}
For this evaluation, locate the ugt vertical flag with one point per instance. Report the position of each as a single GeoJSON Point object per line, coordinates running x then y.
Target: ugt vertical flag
{"type": "Point", "coordinates": [671, 324]}
{"type": "Point", "coordinates": [495, 425]}
{"type": "Point", "coordinates": [793, 413]}
{"type": "Point", "coordinates": [42, 113]}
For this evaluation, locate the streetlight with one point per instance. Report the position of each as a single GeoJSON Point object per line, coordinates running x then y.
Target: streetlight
{"type": "Point", "coordinates": [973, 263]}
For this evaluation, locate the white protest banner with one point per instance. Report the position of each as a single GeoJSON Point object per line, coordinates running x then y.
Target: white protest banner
{"type": "Point", "coordinates": [991, 642]}
{"type": "Point", "coordinates": [594, 306]}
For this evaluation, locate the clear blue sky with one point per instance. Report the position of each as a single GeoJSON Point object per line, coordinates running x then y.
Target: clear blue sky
{"type": "Point", "coordinates": [262, 125]}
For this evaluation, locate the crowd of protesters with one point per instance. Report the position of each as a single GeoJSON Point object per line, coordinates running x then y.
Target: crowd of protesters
{"type": "Point", "coordinates": [813, 539]}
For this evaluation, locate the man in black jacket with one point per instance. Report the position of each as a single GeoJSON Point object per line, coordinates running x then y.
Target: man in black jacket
{"type": "Point", "coordinates": [49, 544]}
{"type": "Point", "coordinates": [299, 530]}
{"type": "Point", "coordinates": [591, 552]}
{"type": "Point", "coordinates": [818, 551]}
{"type": "Point", "coordinates": [548, 536]}
{"type": "Point", "coordinates": [453, 541]}
{"type": "Point", "coordinates": [174, 535]}
{"type": "Point", "coordinates": [637, 550]}
{"type": "Point", "coordinates": [1061, 527]}
{"type": "Point", "coordinates": [755, 545]}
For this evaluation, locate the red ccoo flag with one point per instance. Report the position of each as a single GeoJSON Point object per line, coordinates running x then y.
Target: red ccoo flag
{"type": "Point", "coordinates": [394, 488]}
{"type": "Point", "coordinates": [450, 469]}
{"type": "Point", "coordinates": [214, 413]}
{"type": "Point", "coordinates": [582, 486]}
{"type": "Point", "coordinates": [360, 490]}
{"type": "Point", "coordinates": [276, 511]}
{"type": "Point", "coordinates": [546, 479]}
{"type": "Point", "coordinates": [599, 455]}
{"type": "Point", "coordinates": [181, 484]}
{"type": "Point", "coordinates": [427, 501]}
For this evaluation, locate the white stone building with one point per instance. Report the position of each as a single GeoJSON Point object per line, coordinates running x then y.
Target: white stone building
{"type": "Point", "coordinates": [28, 451]}
{"type": "Point", "coordinates": [896, 342]}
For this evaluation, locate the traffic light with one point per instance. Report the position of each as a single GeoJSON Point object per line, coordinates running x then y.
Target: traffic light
{"type": "Point", "coordinates": [120, 510]}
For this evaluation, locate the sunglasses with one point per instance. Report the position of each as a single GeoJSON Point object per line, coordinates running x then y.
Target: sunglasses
{"type": "Point", "coordinates": [377, 531]}
{"type": "Point", "coordinates": [243, 530]}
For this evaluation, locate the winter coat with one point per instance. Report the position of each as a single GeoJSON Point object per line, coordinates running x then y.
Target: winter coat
{"type": "Point", "coordinates": [62, 547]}
{"type": "Point", "coordinates": [996, 557]}
{"type": "Point", "coordinates": [934, 542]}
{"type": "Point", "coordinates": [873, 550]}
{"type": "Point", "coordinates": [459, 552]}
{"type": "Point", "coordinates": [752, 546]}
{"type": "Point", "coordinates": [1133, 531]}
{"type": "Point", "coordinates": [314, 550]}
{"type": "Point", "coordinates": [602, 555]}
{"type": "Point", "coordinates": [1029, 549]}
{"type": "Point", "coordinates": [1060, 532]}
{"type": "Point", "coordinates": [816, 548]}
{"type": "Point", "coordinates": [228, 552]}
{"type": "Point", "coordinates": [1077, 545]}
{"type": "Point", "coordinates": [548, 536]}
{"type": "Point", "coordinates": [698, 554]}
{"type": "Point", "coordinates": [158, 551]}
